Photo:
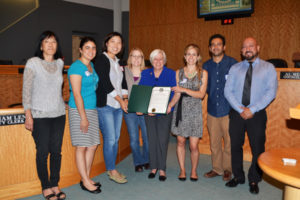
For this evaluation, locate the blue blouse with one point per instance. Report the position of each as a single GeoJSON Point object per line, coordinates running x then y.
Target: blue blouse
{"type": "Point", "coordinates": [167, 78]}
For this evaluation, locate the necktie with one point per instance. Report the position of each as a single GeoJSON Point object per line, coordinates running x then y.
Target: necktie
{"type": "Point", "coordinates": [247, 86]}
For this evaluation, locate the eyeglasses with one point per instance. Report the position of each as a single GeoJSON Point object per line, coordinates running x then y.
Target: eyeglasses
{"type": "Point", "coordinates": [191, 54]}
{"type": "Point", "coordinates": [134, 56]}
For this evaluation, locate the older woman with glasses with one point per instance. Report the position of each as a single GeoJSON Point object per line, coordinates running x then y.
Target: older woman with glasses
{"type": "Point", "coordinates": [158, 126]}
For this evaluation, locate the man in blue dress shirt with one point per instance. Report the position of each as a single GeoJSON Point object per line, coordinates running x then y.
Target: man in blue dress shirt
{"type": "Point", "coordinates": [218, 108]}
{"type": "Point", "coordinates": [251, 86]}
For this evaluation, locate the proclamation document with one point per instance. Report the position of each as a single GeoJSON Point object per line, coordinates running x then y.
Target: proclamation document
{"type": "Point", "coordinates": [159, 100]}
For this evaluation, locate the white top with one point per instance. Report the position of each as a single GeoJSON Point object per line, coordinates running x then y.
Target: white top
{"type": "Point", "coordinates": [42, 88]}
{"type": "Point", "coordinates": [116, 77]}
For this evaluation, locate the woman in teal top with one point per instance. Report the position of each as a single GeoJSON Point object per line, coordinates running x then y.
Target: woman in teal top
{"type": "Point", "coordinates": [89, 83]}
{"type": "Point", "coordinates": [83, 117]}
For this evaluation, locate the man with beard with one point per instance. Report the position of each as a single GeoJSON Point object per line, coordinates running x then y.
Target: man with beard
{"type": "Point", "coordinates": [218, 108]}
{"type": "Point", "coordinates": [250, 88]}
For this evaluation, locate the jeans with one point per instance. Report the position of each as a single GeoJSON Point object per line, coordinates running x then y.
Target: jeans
{"type": "Point", "coordinates": [48, 135]}
{"type": "Point", "coordinates": [133, 122]}
{"type": "Point", "coordinates": [110, 121]}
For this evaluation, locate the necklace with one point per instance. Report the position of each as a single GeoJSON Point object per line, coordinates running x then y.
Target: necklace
{"type": "Point", "coordinates": [191, 75]}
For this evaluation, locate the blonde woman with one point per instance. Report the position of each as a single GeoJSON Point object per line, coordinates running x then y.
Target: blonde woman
{"type": "Point", "coordinates": [187, 115]}
{"type": "Point", "coordinates": [136, 64]}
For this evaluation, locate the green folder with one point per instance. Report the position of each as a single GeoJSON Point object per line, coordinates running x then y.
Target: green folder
{"type": "Point", "coordinates": [142, 96]}
{"type": "Point", "coordinates": [139, 98]}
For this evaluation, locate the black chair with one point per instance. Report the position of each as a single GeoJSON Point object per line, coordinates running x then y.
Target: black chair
{"type": "Point", "coordinates": [296, 59]}
{"type": "Point", "coordinates": [148, 63]}
{"type": "Point", "coordinates": [15, 105]}
{"type": "Point", "coordinates": [278, 62]}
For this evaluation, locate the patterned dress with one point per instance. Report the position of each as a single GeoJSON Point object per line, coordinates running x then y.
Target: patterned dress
{"type": "Point", "coordinates": [191, 123]}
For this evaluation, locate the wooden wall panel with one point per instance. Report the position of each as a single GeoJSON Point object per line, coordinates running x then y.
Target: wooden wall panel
{"type": "Point", "coordinates": [172, 24]}
{"type": "Point", "coordinates": [12, 82]}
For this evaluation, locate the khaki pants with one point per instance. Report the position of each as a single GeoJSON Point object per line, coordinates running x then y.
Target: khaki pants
{"type": "Point", "coordinates": [218, 128]}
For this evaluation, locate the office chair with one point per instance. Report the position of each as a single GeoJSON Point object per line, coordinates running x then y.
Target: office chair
{"type": "Point", "coordinates": [296, 59]}
{"type": "Point", "coordinates": [278, 62]}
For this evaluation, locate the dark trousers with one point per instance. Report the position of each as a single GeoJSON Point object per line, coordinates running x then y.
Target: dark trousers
{"type": "Point", "coordinates": [158, 131]}
{"type": "Point", "coordinates": [255, 128]}
{"type": "Point", "coordinates": [48, 135]}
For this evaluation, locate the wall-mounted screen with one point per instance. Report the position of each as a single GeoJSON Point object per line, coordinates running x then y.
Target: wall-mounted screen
{"type": "Point", "coordinates": [218, 9]}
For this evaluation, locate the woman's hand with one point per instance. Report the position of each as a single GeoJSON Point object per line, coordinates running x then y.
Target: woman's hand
{"type": "Point", "coordinates": [178, 89]}
{"type": "Point", "coordinates": [29, 123]}
{"type": "Point", "coordinates": [84, 125]}
{"type": "Point", "coordinates": [151, 114]}
{"type": "Point", "coordinates": [169, 109]}
{"type": "Point", "coordinates": [124, 105]}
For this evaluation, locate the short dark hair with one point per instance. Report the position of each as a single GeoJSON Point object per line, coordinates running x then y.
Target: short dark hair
{"type": "Point", "coordinates": [216, 36]}
{"type": "Point", "coordinates": [43, 36]}
{"type": "Point", "coordinates": [85, 40]}
{"type": "Point", "coordinates": [108, 37]}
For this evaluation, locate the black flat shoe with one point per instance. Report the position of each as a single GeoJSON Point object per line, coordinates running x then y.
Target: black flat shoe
{"type": "Point", "coordinates": [96, 191]}
{"type": "Point", "coordinates": [193, 179]}
{"type": "Point", "coordinates": [162, 178]}
{"type": "Point", "coordinates": [139, 168]}
{"type": "Point", "coordinates": [182, 178]}
{"type": "Point", "coordinates": [152, 175]}
{"type": "Point", "coordinates": [234, 182]}
{"type": "Point", "coordinates": [98, 184]}
{"type": "Point", "coordinates": [254, 189]}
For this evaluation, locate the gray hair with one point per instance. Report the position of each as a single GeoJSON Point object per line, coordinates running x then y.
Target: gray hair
{"type": "Point", "coordinates": [155, 52]}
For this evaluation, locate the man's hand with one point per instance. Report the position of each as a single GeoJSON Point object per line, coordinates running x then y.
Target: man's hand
{"type": "Point", "coordinates": [246, 114]}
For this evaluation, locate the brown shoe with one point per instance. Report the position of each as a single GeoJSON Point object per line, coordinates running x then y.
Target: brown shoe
{"type": "Point", "coordinates": [226, 175]}
{"type": "Point", "coordinates": [211, 174]}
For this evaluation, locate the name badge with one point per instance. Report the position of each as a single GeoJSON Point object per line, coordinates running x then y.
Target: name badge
{"type": "Point", "coordinates": [183, 81]}
{"type": "Point", "coordinates": [87, 73]}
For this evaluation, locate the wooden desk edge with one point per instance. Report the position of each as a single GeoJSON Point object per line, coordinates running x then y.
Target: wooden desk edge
{"type": "Point", "coordinates": [9, 111]}
{"type": "Point", "coordinates": [292, 181]}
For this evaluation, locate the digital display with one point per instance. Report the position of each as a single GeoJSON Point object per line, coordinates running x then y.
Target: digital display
{"type": "Point", "coordinates": [224, 7]}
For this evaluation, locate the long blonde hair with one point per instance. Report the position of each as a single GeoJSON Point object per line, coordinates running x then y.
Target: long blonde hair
{"type": "Point", "coordinates": [129, 60]}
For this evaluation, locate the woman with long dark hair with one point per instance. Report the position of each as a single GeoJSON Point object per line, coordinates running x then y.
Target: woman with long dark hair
{"type": "Point", "coordinates": [45, 110]}
{"type": "Point", "coordinates": [83, 114]}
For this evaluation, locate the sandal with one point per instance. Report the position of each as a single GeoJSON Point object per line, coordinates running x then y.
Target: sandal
{"type": "Point", "coordinates": [49, 196]}
{"type": "Point", "coordinates": [61, 194]}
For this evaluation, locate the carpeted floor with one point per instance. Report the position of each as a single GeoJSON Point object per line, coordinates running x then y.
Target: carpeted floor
{"type": "Point", "coordinates": [139, 187]}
